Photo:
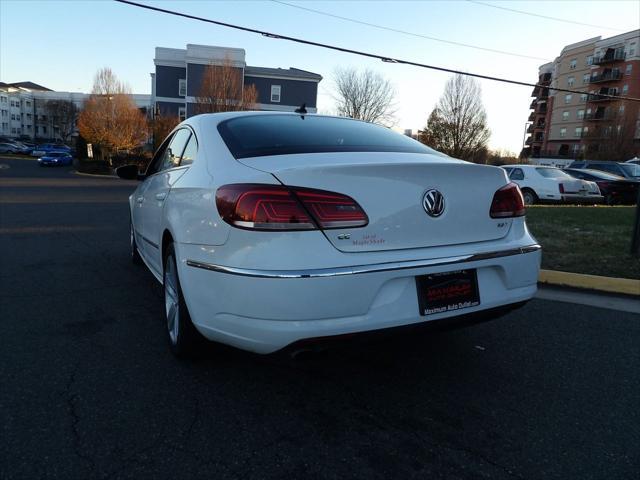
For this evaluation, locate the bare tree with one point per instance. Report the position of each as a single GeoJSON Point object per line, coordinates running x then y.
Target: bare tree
{"type": "Point", "coordinates": [364, 95]}
{"type": "Point", "coordinates": [63, 115]}
{"type": "Point", "coordinates": [458, 124]}
{"type": "Point", "coordinates": [222, 90]}
{"type": "Point", "coordinates": [161, 125]}
{"type": "Point", "coordinates": [110, 117]}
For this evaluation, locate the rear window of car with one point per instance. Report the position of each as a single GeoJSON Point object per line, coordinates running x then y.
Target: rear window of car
{"type": "Point", "coordinates": [631, 169]}
{"type": "Point", "coordinates": [552, 173]}
{"type": "Point", "coordinates": [262, 135]}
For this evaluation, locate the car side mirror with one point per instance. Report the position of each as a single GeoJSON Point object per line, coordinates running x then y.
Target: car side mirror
{"type": "Point", "coordinates": [129, 172]}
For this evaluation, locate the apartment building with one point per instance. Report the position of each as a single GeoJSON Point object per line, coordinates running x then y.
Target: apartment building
{"type": "Point", "coordinates": [177, 80]}
{"type": "Point", "coordinates": [24, 113]}
{"type": "Point", "coordinates": [579, 124]}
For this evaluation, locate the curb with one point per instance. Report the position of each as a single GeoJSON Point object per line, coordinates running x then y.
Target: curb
{"type": "Point", "coordinates": [75, 172]}
{"type": "Point", "coordinates": [592, 282]}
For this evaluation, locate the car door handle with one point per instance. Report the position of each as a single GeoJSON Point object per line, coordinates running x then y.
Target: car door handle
{"type": "Point", "coordinates": [140, 199]}
{"type": "Point", "coordinates": [161, 196]}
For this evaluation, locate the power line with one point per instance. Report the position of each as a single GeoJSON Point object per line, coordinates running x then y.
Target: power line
{"type": "Point", "coordinates": [361, 53]}
{"type": "Point", "coordinates": [547, 17]}
{"type": "Point", "coordinates": [404, 32]}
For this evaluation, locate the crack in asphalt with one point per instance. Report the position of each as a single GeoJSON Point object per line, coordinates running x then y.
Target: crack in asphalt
{"type": "Point", "coordinates": [75, 420]}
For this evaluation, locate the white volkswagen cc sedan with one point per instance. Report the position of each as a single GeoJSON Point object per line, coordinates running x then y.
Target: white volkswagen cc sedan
{"type": "Point", "coordinates": [271, 229]}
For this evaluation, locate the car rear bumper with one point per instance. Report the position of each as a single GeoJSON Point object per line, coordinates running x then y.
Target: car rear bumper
{"type": "Point", "coordinates": [267, 310]}
{"type": "Point", "coordinates": [579, 198]}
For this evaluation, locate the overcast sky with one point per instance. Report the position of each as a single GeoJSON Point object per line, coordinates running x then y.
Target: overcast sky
{"type": "Point", "coordinates": [61, 44]}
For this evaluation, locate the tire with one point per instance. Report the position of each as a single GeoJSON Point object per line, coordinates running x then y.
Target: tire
{"type": "Point", "coordinates": [609, 199]}
{"type": "Point", "coordinates": [529, 196]}
{"type": "Point", "coordinates": [184, 339]}
{"type": "Point", "coordinates": [136, 259]}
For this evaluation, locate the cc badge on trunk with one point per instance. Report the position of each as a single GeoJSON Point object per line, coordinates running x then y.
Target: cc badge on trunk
{"type": "Point", "coordinates": [433, 203]}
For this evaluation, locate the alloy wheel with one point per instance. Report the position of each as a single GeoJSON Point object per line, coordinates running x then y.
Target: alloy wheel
{"type": "Point", "coordinates": [172, 299]}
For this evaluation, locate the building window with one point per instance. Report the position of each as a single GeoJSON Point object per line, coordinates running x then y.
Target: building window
{"type": "Point", "coordinates": [275, 93]}
{"type": "Point", "coordinates": [565, 115]}
{"type": "Point", "coordinates": [563, 132]}
{"type": "Point", "coordinates": [585, 78]}
{"type": "Point", "coordinates": [182, 113]}
{"type": "Point", "coordinates": [578, 132]}
{"type": "Point", "coordinates": [182, 87]}
{"type": "Point", "coordinates": [570, 81]}
{"type": "Point", "coordinates": [632, 49]}
{"type": "Point", "coordinates": [625, 89]}
{"type": "Point", "coordinates": [567, 98]}
{"type": "Point", "coordinates": [583, 97]}
{"type": "Point", "coordinates": [572, 64]}
{"type": "Point", "coordinates": [590, 60]}
{"type": "Point", "coordinates": [27, 103]}
{"type": "Point", "coordinates": [628, 69]}
{"type": "Point", "coordinates": [580, 114]}
{"type": "Point", "coordinates": [585, 131]}
{"type": "Point", "coordinates": [44, 129]}
{"type": "Point", "coordinates": [621, 110]}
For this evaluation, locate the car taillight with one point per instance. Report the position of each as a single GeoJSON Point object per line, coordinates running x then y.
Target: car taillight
{"type": "Point", "coordinates": [561, 187]}
{"type": "Point", "coordinates": [507, 202]}
{"type": "Point", "coordinates": [274, 207]}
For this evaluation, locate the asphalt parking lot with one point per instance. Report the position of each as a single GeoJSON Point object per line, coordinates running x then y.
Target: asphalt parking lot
{"type": "Point", "coordinates": [88, 388]}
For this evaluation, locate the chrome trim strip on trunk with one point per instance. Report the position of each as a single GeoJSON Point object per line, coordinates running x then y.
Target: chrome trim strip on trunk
{"type": "Point", "coordinates": [358, 269]}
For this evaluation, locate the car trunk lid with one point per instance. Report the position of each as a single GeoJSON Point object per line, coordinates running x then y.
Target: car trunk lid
{"type": "Point", "coordinates": [391, 189]}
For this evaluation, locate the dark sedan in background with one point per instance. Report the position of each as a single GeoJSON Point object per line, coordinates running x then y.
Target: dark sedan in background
{"type": "Point", "coordinates": [615, 189]}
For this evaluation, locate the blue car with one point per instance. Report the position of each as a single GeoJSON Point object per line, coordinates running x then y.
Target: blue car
{"type": "Point", "coordinates": [56, 158]}
{"type": "Point", "coordinates": [47, 148]}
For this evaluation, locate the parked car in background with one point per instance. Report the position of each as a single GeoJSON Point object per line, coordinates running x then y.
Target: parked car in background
{"type": "Point", "coordinates": [55, 158]}
{"type": "Point", "coordinates": [627, 170]}
{"type": "Point", "coordinates": [8, 148]}
{"type": "Point", "coordinates": [317, 226]}
{"type": "Point", "coordinates": [550, 184]}
{"type": "Point", "coordinates": [22, 148]}
{"type": "Point", "coordinates": [614, 188]}
{"type": "Point", "coordinates": [45, 148]}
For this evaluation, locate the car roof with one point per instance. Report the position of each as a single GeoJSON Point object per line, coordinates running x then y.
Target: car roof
{"type": "Point", "coordinates": [217, 118]}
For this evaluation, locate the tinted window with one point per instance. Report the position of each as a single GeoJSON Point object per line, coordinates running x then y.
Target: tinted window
{"type": "Point", "coordinates": [552, 173]}
{"type": "Point", "coordinates": [190, 151]}
{"type": "Point", "coordinates": [517, 174]}
{"type": "Point", "coordinates": [260, 135]}
{"type": "Point", "coordinates": [607, 167]}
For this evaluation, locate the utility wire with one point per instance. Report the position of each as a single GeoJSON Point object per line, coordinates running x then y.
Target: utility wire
{"type": "Point", "coordinates": [547, 17]}
{"type": "Point", "coordinates": [361, 53]}
{"type": "Point", "coordinates": [404, 32]}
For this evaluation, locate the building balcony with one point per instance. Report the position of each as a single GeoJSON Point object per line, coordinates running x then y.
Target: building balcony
{"type": "Point", "coordinates": [540, 126]}
{"type": "Point", "coordinates": [530, 128]}
{"type": "Point", "coordinates": [593, 117]}
{"type": "Point", "coordinates": [538, 138]}
{"type": "Point", "coordinates": [542, 109]}
{"type": "Point", "coordinates": [534, 102]}
{"type": "Point", "coordinates": [600, 98]}
{"type": "Point", "coordinates": [528, 141]}
{"type": "Point", "coordinates": [606, 77]}
{"type": "Point", "coordinates": [532, 116]}
{"type": "Point", "coordinates": [610, 57]}
{"type": "Point", "coordinates": [544, 79]}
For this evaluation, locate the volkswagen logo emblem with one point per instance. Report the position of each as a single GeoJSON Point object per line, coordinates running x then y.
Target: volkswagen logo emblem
{"type": "Point", "coordinates": [433, 203]}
